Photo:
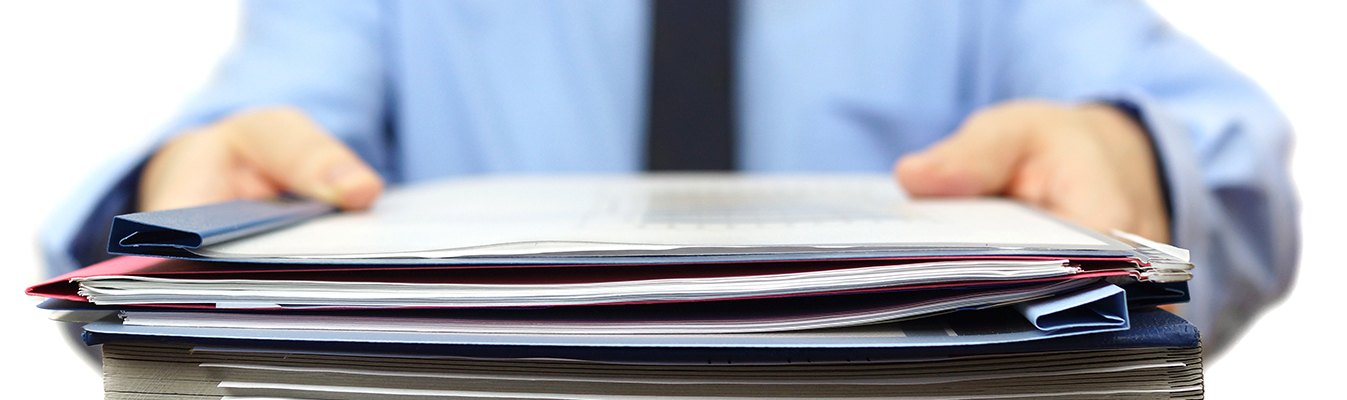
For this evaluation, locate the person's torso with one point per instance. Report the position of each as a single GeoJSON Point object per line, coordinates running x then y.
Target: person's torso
{"type": "Point", "coordinates": [561, 86]}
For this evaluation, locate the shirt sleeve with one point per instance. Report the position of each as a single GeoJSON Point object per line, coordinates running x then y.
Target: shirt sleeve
{"type": "Point", "coordinates": [1222, 144]}
{"type": "Point", "coordinates": [323, 57]}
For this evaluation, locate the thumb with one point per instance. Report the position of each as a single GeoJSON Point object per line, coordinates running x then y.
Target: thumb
{"type": "Point", "coordinates": [979, 159]}
{"type": "Point", "coordinates": [292, 150]}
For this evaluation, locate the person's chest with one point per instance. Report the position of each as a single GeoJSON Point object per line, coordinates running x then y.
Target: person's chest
{"type": "Point", "coordinates": [545, 86]}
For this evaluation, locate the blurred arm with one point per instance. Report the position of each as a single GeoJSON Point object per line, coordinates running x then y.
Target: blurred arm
{"type": "Point", "coordinates": [323, 59]}
{"type": "Point", "coordinates": [1222, 145]}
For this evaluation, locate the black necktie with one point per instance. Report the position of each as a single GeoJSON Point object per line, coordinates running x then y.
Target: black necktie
{"type": "Point", "coordinates": [690, 125]}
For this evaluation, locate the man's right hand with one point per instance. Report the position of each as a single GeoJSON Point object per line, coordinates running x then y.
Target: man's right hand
{"type": "Point", "coordinates": [257, 154]}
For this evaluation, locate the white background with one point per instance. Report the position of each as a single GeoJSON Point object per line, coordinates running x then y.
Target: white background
{"type": "Point", "coordinates": [79, 79]}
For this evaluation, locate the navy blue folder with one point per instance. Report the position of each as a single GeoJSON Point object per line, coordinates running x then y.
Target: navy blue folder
{"type": "Point", "coordinates": [1150, 328]}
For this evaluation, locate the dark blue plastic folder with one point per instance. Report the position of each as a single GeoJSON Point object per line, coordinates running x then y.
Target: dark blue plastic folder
{"type": "Point", "coordinates": [1150, 328]}
{"type": "Point", "coordinates": [168, 232]}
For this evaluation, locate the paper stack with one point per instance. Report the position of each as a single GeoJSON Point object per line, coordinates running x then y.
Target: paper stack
{"type": "Point", "coordinates": [632, 287]}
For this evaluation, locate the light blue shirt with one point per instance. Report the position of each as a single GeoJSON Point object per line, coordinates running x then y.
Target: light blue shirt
{"type": "Point", "coordinates": [425, 90]}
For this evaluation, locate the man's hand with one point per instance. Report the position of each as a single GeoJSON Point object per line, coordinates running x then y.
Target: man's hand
{"type": "Point", "coordinates": [257, 154]}
{"type": "Point", "coordinates": [1091, 164]}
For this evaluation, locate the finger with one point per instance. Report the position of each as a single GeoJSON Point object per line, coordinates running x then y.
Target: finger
{"type": "Point", "coordinates": [980, 158]}
{"type": "Point", "coordinates": [189, 171]}
{"type": "Point", "coordinates": [249, 183]}
{"type": "Point", "coordinates": [289, 148]}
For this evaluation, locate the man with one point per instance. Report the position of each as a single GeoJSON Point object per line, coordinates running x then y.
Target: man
{"type": "Point", "coordinates": [1095, 111]}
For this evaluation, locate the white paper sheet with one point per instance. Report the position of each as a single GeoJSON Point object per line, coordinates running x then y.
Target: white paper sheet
{"type": "Point", "coordinates": [118, 289]}
{"type": "Point", "coordinates": [550, 214]}
{"type": "Point", "coordinates": [722, 318]}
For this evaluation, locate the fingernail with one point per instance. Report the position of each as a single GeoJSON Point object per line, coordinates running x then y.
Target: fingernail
{"type": "Point", "coordinates": [352, 186]}
{"type": "Point", "coordinates": [335, 180]}
{"type": "Point", "coordinates": [327, 194]}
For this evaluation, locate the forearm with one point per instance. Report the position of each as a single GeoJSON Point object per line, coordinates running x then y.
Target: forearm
{"type": "Point", "coordinates": [1233, 205]}
{"type": "Point", "coordinates": [1221, 146]}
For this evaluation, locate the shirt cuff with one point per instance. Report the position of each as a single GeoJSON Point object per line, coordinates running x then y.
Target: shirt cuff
{"type": "Point", "coordinates": [1180, 175]}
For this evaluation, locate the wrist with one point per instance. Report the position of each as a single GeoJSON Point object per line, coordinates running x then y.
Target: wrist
{"type": "Point", "coordinates": [1131, 152]}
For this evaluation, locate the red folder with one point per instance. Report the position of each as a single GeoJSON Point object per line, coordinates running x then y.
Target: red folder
{"type": "Point", "coordinates": [62, 287]}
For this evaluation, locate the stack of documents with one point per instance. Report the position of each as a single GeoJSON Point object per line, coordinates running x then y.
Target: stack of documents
{"type": "Point", "coordinates": [633, 287]}
{"type": "Point", "coordinates": [1084, 368]}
